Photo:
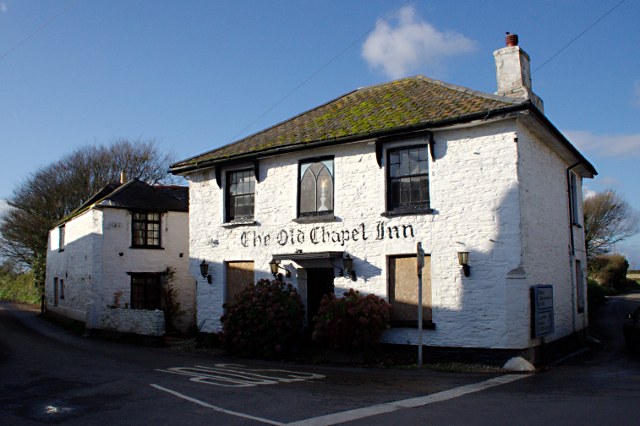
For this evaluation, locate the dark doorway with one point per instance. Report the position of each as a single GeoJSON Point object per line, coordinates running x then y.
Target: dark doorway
{"type": "Point", "coordinates": [319, 283]}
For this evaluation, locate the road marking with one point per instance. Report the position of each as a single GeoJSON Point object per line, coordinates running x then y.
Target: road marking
{"type": "Point", "coordinates": [360, 413]}
{"type": "Point", "coordinates": [213, 407]}
{"type": "Point", "coordinates": [234, 375]}
{"type": "Point", "coordinates": [374, 410]}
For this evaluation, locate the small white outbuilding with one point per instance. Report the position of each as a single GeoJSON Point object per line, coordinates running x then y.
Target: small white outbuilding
{"type": "Point", "coordinates": [111, 262]}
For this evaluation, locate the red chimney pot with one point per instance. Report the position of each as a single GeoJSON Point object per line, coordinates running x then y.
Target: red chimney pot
{"type": "Point", "coordinates": [511, 39]}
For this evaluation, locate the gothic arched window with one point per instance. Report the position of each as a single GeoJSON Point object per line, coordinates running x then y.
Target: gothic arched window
{"type": "Point", "coordinates": [316, 187]}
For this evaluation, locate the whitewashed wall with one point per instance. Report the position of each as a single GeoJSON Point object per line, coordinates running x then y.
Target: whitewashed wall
{"type": "Point", "coordinates": [119, 258]}
{"type": "Point", "coordinates": [476, 202]}
{"type": "Point", "coordinates": [547, 243]}
{"type": "Point", "coordinates": [78, 264]}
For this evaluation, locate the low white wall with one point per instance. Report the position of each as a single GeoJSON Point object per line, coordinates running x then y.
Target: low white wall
{"type": "Point", "coordinates": [148, 323]}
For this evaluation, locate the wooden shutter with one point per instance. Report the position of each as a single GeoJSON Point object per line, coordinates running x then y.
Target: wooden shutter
{"type": "Point", "coordinates": [403, 289]}
{"type": "Point", "coordinates": [239, 276]}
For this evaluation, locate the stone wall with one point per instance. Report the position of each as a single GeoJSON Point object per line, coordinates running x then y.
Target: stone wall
{"type": "Point", "coordinates": [146, 323]}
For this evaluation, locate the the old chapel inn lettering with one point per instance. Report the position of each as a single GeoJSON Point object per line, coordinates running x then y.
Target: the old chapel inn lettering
{"type": "Point", "coordinates": [321, 234]}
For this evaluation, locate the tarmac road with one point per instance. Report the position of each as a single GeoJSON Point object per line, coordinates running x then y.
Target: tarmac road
{"type": "Point", "coordinates": [50, 376]}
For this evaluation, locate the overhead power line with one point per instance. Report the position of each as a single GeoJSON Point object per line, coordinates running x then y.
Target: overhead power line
{"type": "Point", "coordinates": [579, 35]}
{"type": "Point", "coordinates": [315, 73]}
{"type": "Point", "coordinates": [40, 28]}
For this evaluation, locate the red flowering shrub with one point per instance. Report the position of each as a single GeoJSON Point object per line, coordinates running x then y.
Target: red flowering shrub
{"type": "Point", "coordinates": [264, 320]}
{"type": "Point", "coordinates": [352, 321]}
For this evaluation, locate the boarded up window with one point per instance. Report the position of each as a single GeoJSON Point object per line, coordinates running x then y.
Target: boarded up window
{"type": "Point", "coordinates": [239, 276]}
{"type": "Point", "coordinates": [403, 290]}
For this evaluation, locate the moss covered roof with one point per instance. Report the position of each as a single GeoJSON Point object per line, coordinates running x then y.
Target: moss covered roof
{"type": "Point", "coordinates": [368, 111]}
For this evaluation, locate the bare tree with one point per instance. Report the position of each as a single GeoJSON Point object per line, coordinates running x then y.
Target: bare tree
{"type": "Point", "coordinates": [54, 191]}
{"type": "Point", "coordinates": [608, 219]}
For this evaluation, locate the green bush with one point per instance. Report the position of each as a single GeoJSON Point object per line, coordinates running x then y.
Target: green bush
{"type": "Point", "coordinates": [19, 288]}
{"type": "Point", "coordinates": [596, 294]}
{"type": "Point", "coordinates": [352, 321]}
{"type": "Point", "coordinates": [264, 320]}
{"type": "Point", "coordinates": [609, 270]}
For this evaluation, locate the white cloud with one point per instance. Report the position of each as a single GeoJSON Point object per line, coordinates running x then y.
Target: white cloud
{"type": "Point", "coordinates": [411, 44]}
{"type": "Point", "coordinates": [623, 146]}
{"type": "Point", "coordinates": [3, 7]}
{"type": "Point", "coordinates": [587, 192]}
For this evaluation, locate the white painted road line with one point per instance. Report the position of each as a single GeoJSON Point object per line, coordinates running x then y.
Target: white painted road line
{"type": "Point", "coordinates": [213, 407]}
{"type": "Point", "coordinates": [374, 410]}
{"type": "Point", "coordinates": [389, 407]}
{"type": "Point", "coordinates": [234, 375]}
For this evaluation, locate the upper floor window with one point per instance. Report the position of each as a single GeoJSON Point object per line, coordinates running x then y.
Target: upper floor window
{"type": "Point", "coordinates": [240, 195]}
{"type": "Point", "coordinates": [408, 179]}
{"type": "Point", "coordinates": [575, 205]}
{"type": "Point", "coordinates": [315, 187]}
{"type": "Point", "coordinates": [61, 231]}
{"type": "Point", "coordinates": [145, 229]}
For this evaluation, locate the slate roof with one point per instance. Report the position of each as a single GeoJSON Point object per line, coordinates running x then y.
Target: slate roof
{"type": "Point", "coordinates": [136, 195]}
{"type": "Point", "coordinates": [367, 112]}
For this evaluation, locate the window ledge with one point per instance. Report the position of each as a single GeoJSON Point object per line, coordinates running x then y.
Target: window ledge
{"type": "Point", "coordinates": [428, 325]}
{"type": "Point", "coordinates": [407, 212]}
{"type": "Point", "coordinates": [147, 247]}
{"type": "Point", "coordinates": [316, 218]}
{"type": "Point", "coordinates": [236, 223]}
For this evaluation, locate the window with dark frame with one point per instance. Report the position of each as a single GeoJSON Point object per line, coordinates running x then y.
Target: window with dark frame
{"type": "Point", "coordinates": [61, 232]}
{"type": "Point", "coordinates": [146, 291]}
{"type": "Point", "coordinates": [241, 187]}
{"type": "Point", "coordinates": [55, 291]}
{"type": "Point", "coordinates": [408, 179]}
{"type": "Point", "coordinates": [575, 213]}
{"type": "Point", "coordinates": [315, 187]}
{"type": "Point", "coordinates": [145, 229]}
{"type": "Point", "coordinates": [580, 302]}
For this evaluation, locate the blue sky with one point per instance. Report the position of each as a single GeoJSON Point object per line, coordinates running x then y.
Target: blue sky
{"type": "Point", "coordinates": [194, 75]}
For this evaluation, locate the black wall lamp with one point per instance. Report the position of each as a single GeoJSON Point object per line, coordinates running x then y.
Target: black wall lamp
{"type": "Point", "coordinates": [204, 271]}
{"type": "Point", "coordinates": [347, 261]}
{"type": "Point", "coordinates": [463, 260]}
{"type": "Point", "coordinates": [274, 265]}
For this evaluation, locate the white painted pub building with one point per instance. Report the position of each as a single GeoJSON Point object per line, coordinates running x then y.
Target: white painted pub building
{"type": "Point", "coordinates": [486, 183]}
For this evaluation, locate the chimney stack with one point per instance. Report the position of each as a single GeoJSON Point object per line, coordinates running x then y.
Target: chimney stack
{"type": "Point", "coordinates": [513, 73]}
{"type": "Point", "coordinates": [123, 177]}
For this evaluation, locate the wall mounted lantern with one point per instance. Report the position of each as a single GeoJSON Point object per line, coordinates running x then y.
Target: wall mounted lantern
{"type": "Point", "coordinates": [204, 271]}
{"type": "Point", "coordinates": [274, 265]}
{"type": "Point", "coordinates": [347, 261]}
{"type": "Point", "coordinates": [463, 260]}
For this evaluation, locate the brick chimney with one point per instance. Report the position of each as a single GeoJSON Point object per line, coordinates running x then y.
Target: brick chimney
{"type": "Point", "coordinates": [513, 73]}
